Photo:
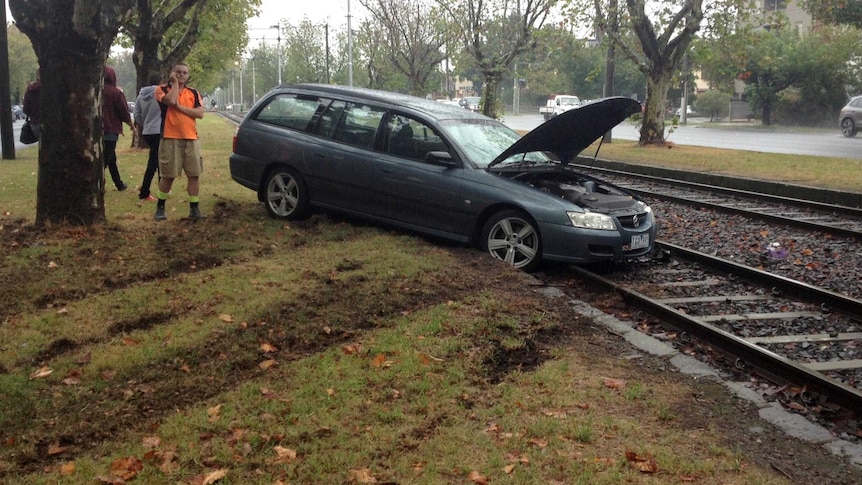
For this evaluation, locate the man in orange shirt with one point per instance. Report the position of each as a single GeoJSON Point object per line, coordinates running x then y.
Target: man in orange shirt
{"type": "Point", "coordinates": [179, 150]}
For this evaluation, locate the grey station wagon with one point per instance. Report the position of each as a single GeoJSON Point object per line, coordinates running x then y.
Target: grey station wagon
{"type": "Point", "coordinates": [443, 171]}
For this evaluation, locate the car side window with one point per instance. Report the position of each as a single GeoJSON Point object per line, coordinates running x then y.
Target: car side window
{"type": "Point", "coordinates": [410, 138]}
{"type": "Point", "coordinates": [358, 124]}
{"type": "Point", "coordinates": [329, 119]}
{"type": "Point", "coordinates": [289, 111]}
{"type": "Point", "coordinates": [857, 103]}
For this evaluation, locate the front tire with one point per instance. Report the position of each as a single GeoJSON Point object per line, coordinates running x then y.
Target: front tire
{"type": "Point", "coordinates": [286, 196]}
{"type": "Point", "coordinates": [848, 127]}
{"type": "Point", "coordinates": [512, 236]}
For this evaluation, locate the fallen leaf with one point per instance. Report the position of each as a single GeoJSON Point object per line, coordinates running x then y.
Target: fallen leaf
{"type": "Point", "coordinates": [508, 469]}
{"type": "Point", "coordinates": [644, 464]}
{"type": "Point", "coordinates": [361, 475]}
{"type": "Point", "coordinates": [214, 413]}
{"type": "Point", "coordinates": [379, 360]}
{"type": "Point", "coordinates": [614, 383]}
{"type": "Point", "coordinates": [795, 406]}
{"type": "Point", "coordinates": [84, 360]}
{"type": "Point", "coordinates": [55, 448]}
{"type": "Point", "coordinates": [538, 442]}
{"type": "Point", "coordinates": [285, 455]}
{"type": "Point", "coordinates": [477, 477]}
{"type": "Point", "coordinates": [130, 341]}
{"type": "Point", "coordinates": [150, 442]}
{"type": "Point", "coordinates": [53, 265]}
{"type": "Point", "coordinates": [67, 469]}
{"type": "Point", "coordinates": [267, 364]}
{"type": "Point", "coordinates": [225, 318]}
{"type": "Point", "coordinates": [126, 468]}
{"type": "Point", "coordinates": [268, 348]}
{"type": "Point", "coordinates": [215, 476]}
{"type": "Point", "coordinates": [43, 371]}
{"type": "Point", "coordinates": [351, 349]}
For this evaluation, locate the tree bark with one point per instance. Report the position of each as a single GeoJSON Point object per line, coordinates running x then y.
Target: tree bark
{"type": "Point", "coordinates": [491, 94]}
{"type": "Point", "coordinates": [652, 129]}
{"type": "Point", "coordinates": [71, 40]}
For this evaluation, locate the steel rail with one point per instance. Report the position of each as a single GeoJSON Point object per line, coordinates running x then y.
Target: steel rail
{"type": "Point", "coordinates": [843, 209]}
{"type": "Point", "coordinates": [767, 363]}
{"type": "Point", "coordinates": [792, 220]}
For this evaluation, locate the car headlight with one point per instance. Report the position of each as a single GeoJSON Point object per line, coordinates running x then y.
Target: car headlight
{"type": "Point", "coordinates": [592, 220]}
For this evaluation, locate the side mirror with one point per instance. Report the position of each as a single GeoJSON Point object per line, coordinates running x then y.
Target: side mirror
{"type": "Point", "coordinates": [440, 158]}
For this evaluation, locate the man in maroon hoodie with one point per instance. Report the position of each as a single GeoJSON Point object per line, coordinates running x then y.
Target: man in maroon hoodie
{"type": "Point", "coordinates": [115, 112]}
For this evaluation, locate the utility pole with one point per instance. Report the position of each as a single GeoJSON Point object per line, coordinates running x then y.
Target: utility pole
{"type": "Point", "coordinates": [349, 48]}
{"type": "Point", "coordinates": [326, 29]}
{"type": "Point", "coordinates": [516, 108]}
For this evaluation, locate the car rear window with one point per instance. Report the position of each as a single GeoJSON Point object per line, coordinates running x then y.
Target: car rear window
{"type": "Point", "coordinates": [289, 111]}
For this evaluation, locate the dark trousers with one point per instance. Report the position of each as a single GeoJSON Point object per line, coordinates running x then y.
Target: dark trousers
{"type": "Point", "coordinates": [111, 163]}
{"type": "Point", "coordinates": [152, 164]}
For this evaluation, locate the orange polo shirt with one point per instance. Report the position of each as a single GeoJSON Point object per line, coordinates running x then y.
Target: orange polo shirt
{"type": "Point", "coordinates": [179, 125]}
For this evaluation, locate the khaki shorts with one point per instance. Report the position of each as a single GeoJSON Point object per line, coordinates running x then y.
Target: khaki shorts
{"type": "Point", "coordinates": [177, 156]}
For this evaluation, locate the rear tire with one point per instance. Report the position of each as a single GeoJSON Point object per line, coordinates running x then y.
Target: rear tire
{"type": "Point", "coordinates": [848, 127]}
{"type": "Point", "coordinates": [512, 236]}
{"type": "Point", "coordinates": [286, 196]}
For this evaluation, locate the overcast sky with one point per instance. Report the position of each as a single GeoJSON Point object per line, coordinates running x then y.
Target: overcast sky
{"type": "Point", "coordinates": [333, 12]}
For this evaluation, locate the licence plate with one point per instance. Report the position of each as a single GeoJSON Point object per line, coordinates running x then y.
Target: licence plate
{"type": "Point", "coordinates": [640, 241]}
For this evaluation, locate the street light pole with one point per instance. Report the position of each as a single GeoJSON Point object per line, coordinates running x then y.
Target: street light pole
{"type": "Point", "coordinates": [349, 48]}
{"type": "Point", "coordinates": [238, 64]}
{"type": "Point", "coordinates": [278, 51]}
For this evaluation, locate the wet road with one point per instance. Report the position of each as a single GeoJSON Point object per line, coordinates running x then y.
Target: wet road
{"type": "Point", "coordinates": [829, 143]}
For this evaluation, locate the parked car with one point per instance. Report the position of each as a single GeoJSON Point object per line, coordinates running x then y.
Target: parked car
{"type": "Point", "coordinates": [851, 117]}
{"type": "Point", "coordinates": [470, 102]}
{"type": "Point", "coordinates": [444, 171]}
{"type": "Point", "coordinates": [688, 111]}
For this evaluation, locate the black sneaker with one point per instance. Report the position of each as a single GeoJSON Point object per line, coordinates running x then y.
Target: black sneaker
{"type": "Point", "coordinates": [160, 214]}
{"type": "Point", "coordinates": [122, 188]}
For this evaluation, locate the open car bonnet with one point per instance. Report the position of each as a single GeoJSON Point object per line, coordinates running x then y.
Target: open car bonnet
{"type": "Point", "coordinates": [567, 134]}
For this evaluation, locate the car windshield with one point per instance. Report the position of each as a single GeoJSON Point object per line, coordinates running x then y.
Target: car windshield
{"type": "Point", "coordinates": [485, 140]}
{"type": "Point", "coordinates": [569, 101]}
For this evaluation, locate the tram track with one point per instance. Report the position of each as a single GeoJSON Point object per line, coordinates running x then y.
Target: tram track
{"type": "Point", "coordinates": [839, 220]}
{"type": "Point", "coordinates": [770, 282]}
{"type": "Point", "coordinates": [756, 317]}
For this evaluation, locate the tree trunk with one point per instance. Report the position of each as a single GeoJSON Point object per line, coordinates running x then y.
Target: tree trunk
{"type": "Point", "coordinates": [490, 94]}
{"type": "Point", "coordinates": [610, 59]}
{"type": "Point", "coordinates": [766, 112]}
{"type": "Point", "coordinates": [71, 40]}
{"type": "Point", "coordinates": [652, 129]}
